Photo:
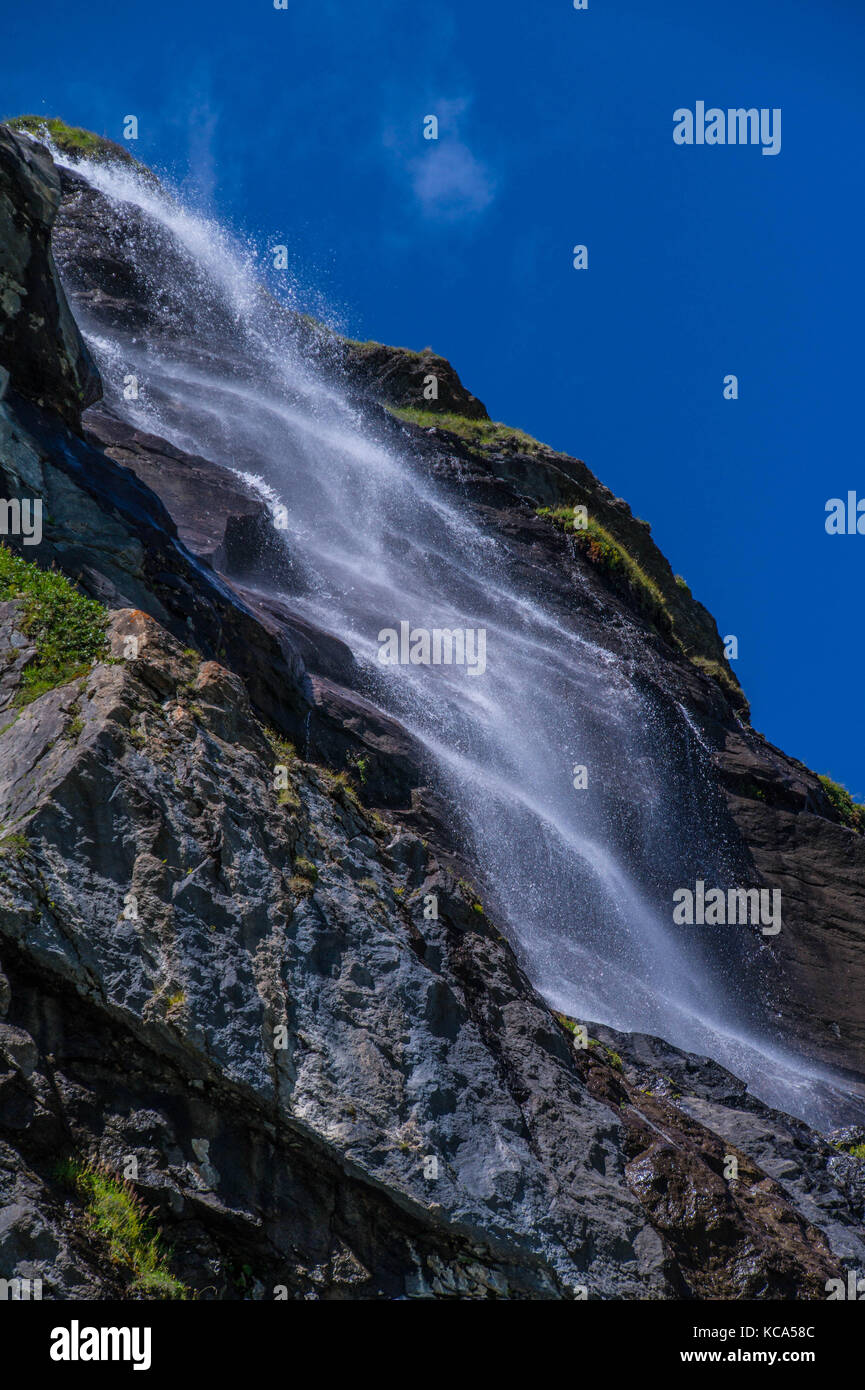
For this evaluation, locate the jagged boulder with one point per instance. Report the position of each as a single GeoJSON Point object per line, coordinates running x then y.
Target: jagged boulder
{"type": "Point", "coordinates": [401, 377]}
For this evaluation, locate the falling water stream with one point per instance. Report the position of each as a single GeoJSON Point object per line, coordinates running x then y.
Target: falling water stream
{"type": "Point", "coordinates": [582, 880]}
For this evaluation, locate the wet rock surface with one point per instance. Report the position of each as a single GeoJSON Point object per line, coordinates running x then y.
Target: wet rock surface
{"type": "Point", "coordinates": [813, 1173]}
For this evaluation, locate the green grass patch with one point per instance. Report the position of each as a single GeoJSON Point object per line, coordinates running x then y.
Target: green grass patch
{"type": "Point", "coordinates": [360, 765]}
{"type": "Point", "coordinates": [475, 431]}
{"type": "Point", "coordinates": [285, 755]}
{"type": "Point", "coordinates": [371, 345]}
{"type": "Point", "coordinates": [563, 517]}
{"type": "Point", "coordinates": [341, 784]}
{"type": "Point", "coordinates": [718, 672]}
{"type": "Point", "coordinates": [613, 1059]}
{"type": "Point", "coordinates": [284, 751]}
{"type": "Point", "coordinates": [67, 629]}
{"type": "Point", "coordinates": [470, 893]}
{"type": "Point", "coordinates": [851, 813]}
{"type": "Point", "coordinates": [117, 1214]}
{"type": "Point", "coordinates": [14, 845]}
{"type": "Point", "coordinates": [73, 140]}
{"type": "Point", "coordinates": [603, 551]}
{"type": "Point", "coordinates": [571, 1025]}
{"type": "Point", "coordinates": [753, 792]}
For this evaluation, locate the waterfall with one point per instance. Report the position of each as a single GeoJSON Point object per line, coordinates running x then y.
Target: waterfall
{"type": "Point", "coordinates": [580, 879]}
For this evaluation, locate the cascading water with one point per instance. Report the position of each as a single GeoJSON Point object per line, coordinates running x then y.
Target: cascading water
{"type": "Point", "coordinates": [582, 880]}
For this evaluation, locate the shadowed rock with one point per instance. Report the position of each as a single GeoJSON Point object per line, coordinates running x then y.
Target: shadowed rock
{"type": "Point", "coordinates": [40, 345]}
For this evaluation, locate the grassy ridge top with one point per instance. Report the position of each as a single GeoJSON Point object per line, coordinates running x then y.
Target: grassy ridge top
{"type": "Point", "coordinates": [73, 140]}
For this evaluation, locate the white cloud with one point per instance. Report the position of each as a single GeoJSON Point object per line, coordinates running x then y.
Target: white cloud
{"type": "Point", "coordinates": [447, 179]}
{"type": "Point", "coordinates": [449, 182]}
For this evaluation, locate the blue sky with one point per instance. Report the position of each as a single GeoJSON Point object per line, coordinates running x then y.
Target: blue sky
{"type": "Point", "coordinates": [304, 126]}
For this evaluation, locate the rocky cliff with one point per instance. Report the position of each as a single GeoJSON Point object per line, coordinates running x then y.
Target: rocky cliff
{"type": "Point", "coordinates": [245, 980]}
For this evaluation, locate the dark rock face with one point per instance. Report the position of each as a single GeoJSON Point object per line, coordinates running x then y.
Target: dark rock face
{"type": "Point", "coordinates": [396, 376]}
{"type": "Point", "coordinates": [321, 1059]}
{"type": "Point", "coordinates": [215, 516]}
{"type": "Point", "coordinates": [824, 1187]}
{"type": "Point", "coordinates": [40, 345]}
{"type": "Point", "coordinates": [784, 817]}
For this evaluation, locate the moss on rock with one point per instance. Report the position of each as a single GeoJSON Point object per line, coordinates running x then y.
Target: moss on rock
{"type": "Point", "coordinates": [851, 813]}
{"type": "Point", "coordinates": [73, 140]}
{"type": "Point", "coordinates": [603, 551]}
{"type": "Point", "coordinates": [66, 628]}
